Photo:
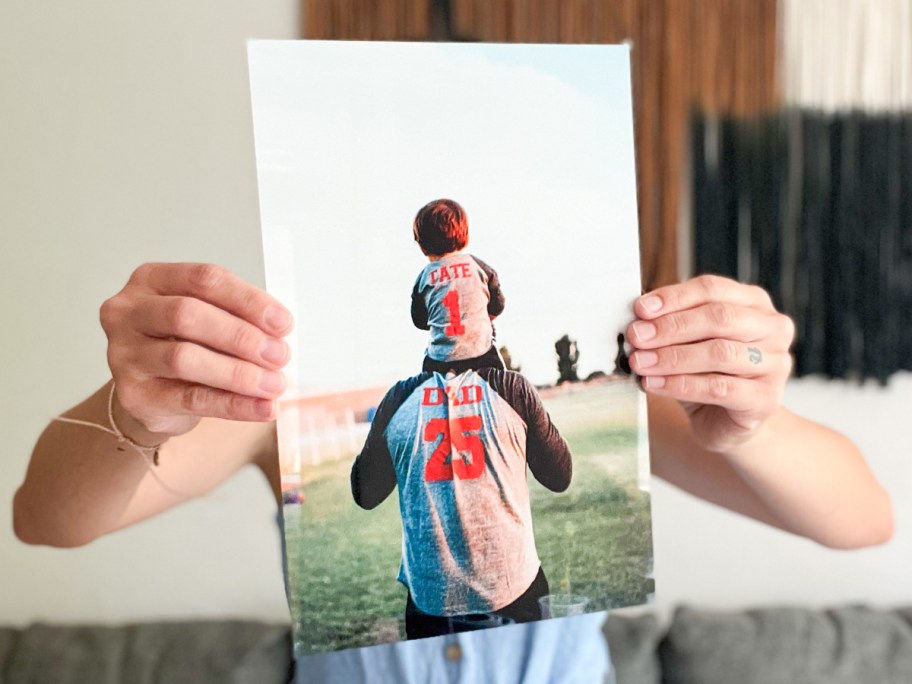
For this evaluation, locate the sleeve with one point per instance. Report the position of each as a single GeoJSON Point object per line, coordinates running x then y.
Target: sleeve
{"type": "Point", "coordinates": [373, 477]}
{"type": "Point", "coordinates": [419, 308]}
{"type": "Point", "coordinates": [547, 452]}
{"type": "Point", "coordinates": [496, 301]}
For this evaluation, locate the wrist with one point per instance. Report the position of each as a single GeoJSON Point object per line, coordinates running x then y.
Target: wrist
{"type": "Point", "coordinates": [755, 445]}
{"type": "Point", "coordinates": [132, 428]}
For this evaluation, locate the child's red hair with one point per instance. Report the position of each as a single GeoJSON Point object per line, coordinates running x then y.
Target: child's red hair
{"type": "Point", "coordinates": [441, 227]}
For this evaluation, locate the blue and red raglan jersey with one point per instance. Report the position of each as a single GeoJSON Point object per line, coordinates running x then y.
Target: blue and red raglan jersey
{"type": "Point", "coordinates": [455, 297]}
{"type": "Point", "coordinates": [457, 447]}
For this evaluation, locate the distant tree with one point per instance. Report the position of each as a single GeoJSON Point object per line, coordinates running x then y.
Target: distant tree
{"type": "Point", "coordinates": [621, 362]}
{"type": "Point", "coordinates": [567, 358]}
{"type": "Point", "coordinates": [508, 360]}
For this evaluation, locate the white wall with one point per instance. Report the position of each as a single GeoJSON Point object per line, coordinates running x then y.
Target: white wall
{"type": "Point", "coordinates": [125, 136]}
{"type": "Point", "coordinates": [709, 557]}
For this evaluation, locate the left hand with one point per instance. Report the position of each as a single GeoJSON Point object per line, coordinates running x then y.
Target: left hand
{"type": "Point", "coordinates": [720, 348]}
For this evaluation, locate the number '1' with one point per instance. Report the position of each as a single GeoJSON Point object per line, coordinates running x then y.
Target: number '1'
{"type": "Point", "coordinates": [451, 302]}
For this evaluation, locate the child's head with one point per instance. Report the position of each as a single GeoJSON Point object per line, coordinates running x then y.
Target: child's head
{"type": "Point", "coordinates": [441, 227]}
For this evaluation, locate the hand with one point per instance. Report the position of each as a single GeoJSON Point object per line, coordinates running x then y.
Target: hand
{"type": "Point", "coordinates": [720, 348]}
{"type": "Point", "coordinates": [193, 340]}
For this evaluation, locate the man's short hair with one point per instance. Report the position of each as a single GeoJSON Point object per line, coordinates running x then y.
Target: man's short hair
{"type": "Point", "coordinates": [441, 227]}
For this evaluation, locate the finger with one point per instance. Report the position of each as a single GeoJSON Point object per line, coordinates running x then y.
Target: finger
{"type": "Point", "coordinates": [175, 397]}
{"type": "Point", "coordinates": [189, 362]}
{"type": "Point", "coordinates": [222, 289]}
{"type": "Point", "coordinates": [712, 356]}
{"type": "Point", "coordinates": [198, 321]}
{"type": "Point", "coordinates": [727, 391]}
{"type": "Point", "coordinates": [718, 319]}
{"type": "Point", "coordinates": [699, 291]}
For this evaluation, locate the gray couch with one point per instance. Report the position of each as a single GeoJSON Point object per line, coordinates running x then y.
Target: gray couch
{"type": "Point", "coordinates": [851, 645]}
{"type": "Point", "coordinates": [769, 646]}
{"type": "Point", "coordinates": [157, 653]}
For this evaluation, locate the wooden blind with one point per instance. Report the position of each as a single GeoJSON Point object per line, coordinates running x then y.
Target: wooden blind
{"type": "Point", "coordinates": [366, 19]}
{"type": "Point", "coordinates": [715, 55]}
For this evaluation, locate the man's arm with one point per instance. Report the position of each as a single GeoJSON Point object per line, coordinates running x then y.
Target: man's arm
{"type": "Point", "coordinates": [195, 351]}
{"type": "Point", "coordinates": [373, 477]}
{"type": "Point", "coordinates": [547, 453]}
{"type": "Point", "coordinates": [796, 475]}
{"type": "Point", "coordinates": [713, 357]}
{"type": "Point", "coordinates": [99, 485]}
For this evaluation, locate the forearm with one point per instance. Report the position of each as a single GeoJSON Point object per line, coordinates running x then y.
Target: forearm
{"type": "Point", "coordinates": [82, 483]}
{"type": "Point", "coordinates": [373, 477]}
{"type": "Point", "coordinates": [80, 480]}
{"type": "Point", "coordinates": [371, 482]}
{"type": "Point", "coordinates": [794, 474]}
{"type": "Point", "coordinates": [550, 462]}
{"type": "Point", "coordinates": [816, 482]}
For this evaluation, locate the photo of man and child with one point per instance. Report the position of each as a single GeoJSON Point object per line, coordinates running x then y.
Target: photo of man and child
{"type": "Point", "coordinates": [468, 547]}
{"type": "Point", "coordinates": [497, 403]}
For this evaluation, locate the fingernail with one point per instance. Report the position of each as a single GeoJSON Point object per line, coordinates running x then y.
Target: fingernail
{"type": "Point", "coordinates": [273, 350]}
{"type": "Point", "coordinates": [645, 359]}
{"type": "Point", "coordinates": [651, 303]}
{"type": "Point", "coordinates": [271, 382]}
{"type": "Point", "coordinates": [644, 330]}
{"type": "Point", "coordinates": [277, 318]}
{"type": "Point", "coordinates": [654, 382]}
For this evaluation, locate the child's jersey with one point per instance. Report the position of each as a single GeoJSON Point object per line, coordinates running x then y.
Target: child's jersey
{"type": "Point", "coordinates": [455, 297]}
{"type": "Point", "coordinates": [457, 448]}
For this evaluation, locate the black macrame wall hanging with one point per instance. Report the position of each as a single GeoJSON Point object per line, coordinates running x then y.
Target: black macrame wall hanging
{"type": "Point", "coordinates": [817, 209]}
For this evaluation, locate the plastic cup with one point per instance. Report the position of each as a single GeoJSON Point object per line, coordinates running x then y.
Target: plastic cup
{"type": "Point", "coordinates": [562, 605]}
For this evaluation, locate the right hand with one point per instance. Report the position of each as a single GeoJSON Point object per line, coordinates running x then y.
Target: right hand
{"type": "Point", "coordinates": [193, 340]}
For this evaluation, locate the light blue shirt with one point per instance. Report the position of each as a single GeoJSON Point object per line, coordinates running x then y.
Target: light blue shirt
{"type": "Point", "coordinates": [569, 650]}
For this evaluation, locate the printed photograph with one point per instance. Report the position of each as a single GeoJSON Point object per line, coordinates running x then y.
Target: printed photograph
{"type": "Point", "coordinates": [462, 446]}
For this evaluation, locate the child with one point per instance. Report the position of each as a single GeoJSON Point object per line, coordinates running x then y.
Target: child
{"type": "Point", "coordinates": [456, 296]}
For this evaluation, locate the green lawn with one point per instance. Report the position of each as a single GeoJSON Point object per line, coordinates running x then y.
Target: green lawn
{"type": "Point", "coordinates": [594, 539]}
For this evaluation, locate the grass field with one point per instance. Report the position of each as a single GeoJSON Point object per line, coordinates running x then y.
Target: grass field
{"type": "Point", "coordinates": [594, 539]}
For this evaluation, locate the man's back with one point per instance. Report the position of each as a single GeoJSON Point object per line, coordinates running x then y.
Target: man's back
{"type": "Point", "coordinates": [458, 446]}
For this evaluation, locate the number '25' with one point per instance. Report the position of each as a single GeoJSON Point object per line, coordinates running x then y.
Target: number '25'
{"type": "Point", "coordinates": [462, 438]}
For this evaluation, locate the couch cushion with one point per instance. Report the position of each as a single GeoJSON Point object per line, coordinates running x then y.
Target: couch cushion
{"type": "Point", "coordinates": [845, 645]}
{"type": "Point", "coordinates": [632, 642]}
{"type": "Point", "coordinates": [8, 639]}
{"type": "Point", "coordinates": [179, 653]}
